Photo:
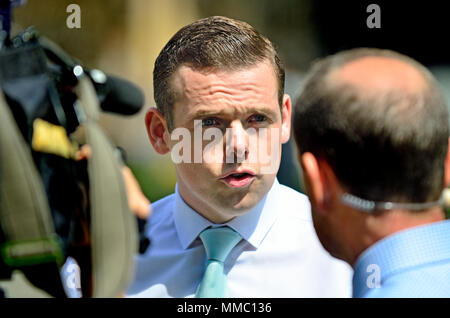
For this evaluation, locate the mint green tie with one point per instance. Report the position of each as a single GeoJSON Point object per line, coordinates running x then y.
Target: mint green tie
{"type": "Point", "coordinates": [218, 244]}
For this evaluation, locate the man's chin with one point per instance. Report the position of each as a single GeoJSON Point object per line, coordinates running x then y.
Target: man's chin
{"type": "Point", "coordinates": [245, 199]}
{"type": "Point", "coordinates": [242, 203]}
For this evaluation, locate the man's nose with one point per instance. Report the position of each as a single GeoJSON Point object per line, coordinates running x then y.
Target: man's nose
{"type": "Point", "coordinates": [236, 143]}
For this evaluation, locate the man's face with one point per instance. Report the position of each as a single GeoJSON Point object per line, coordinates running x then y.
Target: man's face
{"type": "Point", "coordinates": [243, 105]}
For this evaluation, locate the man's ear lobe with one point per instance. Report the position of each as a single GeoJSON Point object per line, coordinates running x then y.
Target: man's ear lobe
{"type": "Point", "coordinates": [315, 185]}
{"type": "Point", "coordinates": [286, 119]}
{"type": "Point", "coordinates": [323, 184]}
{"type": "Point", "coordinates": [157, 129]}
{"type": "Point", "coordinates": [332, 186]}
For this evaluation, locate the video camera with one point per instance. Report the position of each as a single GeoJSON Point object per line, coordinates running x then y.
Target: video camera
{"type": "Point", "coordinates": [53, 205]}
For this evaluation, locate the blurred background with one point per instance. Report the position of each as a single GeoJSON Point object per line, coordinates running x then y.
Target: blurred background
{"type": "Point", "coordinates": [123, 37]}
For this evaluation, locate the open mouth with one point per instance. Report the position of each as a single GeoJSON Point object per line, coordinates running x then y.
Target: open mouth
{"type": "Point", "coordinates": [238, 180]}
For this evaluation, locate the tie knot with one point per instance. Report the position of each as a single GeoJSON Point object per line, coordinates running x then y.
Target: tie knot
{"type": "Point", "coordinates": [219, 242]}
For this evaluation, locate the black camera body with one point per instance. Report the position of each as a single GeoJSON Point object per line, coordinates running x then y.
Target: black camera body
{"type": "Point", "coordinates": [42, 93]}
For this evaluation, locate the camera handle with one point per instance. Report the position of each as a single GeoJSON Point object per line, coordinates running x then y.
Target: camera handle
{"type": "Point", "coordinates": [113, 226]}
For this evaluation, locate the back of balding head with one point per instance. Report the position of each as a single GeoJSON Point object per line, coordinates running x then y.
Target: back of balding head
{"type": "Point", "coordinates": [379, 118]}
{"type": "Point", "coordinates": [378, 74]}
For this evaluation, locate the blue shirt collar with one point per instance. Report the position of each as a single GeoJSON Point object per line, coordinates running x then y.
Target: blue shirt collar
{"type": "Point", "coordinates": [252, 226]}
{"type": "Point", "coordinates": [401, 251]}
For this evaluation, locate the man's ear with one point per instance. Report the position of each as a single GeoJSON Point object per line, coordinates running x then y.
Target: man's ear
{"type": "Point", "coordinates": [321, 183]}
{"type": "Point", "coordinates": [286, 119]}
{"type": "Point", "coordinates": [157, 130]}
{"type": "Point", "coordinates": [447, 167]}
{"type": "Point", "coordinates": [313, 181]}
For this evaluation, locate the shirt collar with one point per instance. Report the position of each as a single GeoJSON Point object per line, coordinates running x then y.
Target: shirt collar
{"type": "Point", "coordinates": [252, 226]}
{"type": "Point", "coordinates": [405, 249]}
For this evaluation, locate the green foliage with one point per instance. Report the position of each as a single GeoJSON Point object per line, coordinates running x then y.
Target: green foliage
{"type": "Point", "coordinates": [156, 179]}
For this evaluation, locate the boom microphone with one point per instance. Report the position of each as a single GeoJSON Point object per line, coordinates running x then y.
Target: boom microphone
{"type": "Point", "coordinates": [116, 95]}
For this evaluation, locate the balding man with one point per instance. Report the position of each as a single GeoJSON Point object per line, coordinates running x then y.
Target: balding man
{"type": "Point", "coordinates": [372, 131]}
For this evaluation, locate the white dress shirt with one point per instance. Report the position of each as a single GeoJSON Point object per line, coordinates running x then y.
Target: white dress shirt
{"type": "Point", "coordinates": [279, 255]}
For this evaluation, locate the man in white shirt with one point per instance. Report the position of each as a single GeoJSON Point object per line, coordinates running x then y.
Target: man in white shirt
{"type": "Point", "coordinates": [218, 77]}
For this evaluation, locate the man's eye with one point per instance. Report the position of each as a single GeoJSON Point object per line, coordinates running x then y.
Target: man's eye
{"type": "Point", "coordinates": [257, 118]}
{"type": "Point", "coordinates": [208, 122]}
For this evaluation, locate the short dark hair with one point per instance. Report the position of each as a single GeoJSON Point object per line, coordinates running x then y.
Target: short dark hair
{"type": "Point", "coordinates": [390, 146]}
{"type": "Point", "coordinates": [212, 43]}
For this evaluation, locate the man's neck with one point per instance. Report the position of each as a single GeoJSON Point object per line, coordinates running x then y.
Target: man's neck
{"type": "Point", "coordinates": [390, 222]}
{"type": "Point", "coordinates": [386, 223]}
